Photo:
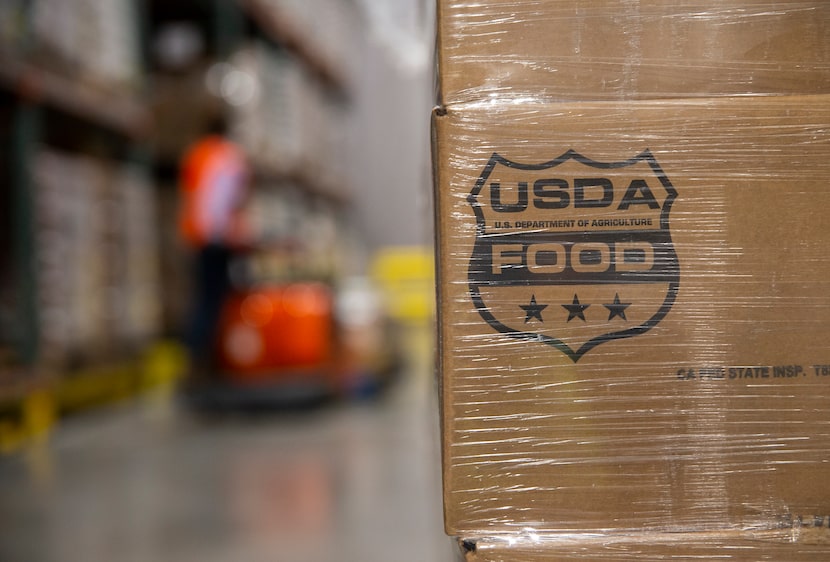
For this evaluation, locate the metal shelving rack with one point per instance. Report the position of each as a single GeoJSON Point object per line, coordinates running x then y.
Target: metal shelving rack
{"type": "Point", "coordinates": [37, 97]}
{"type": "Point", "coordinates": [34, 89]}
{"type": "Point", "coordinates": [229, 24]}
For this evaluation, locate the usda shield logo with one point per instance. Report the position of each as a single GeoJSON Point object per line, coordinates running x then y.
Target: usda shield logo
{"type": "Point", "coordinates": [573, 252]}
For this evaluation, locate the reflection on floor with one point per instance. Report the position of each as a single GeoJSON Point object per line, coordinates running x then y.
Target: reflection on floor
{"type": "Point", "coordinates": [149, 482]}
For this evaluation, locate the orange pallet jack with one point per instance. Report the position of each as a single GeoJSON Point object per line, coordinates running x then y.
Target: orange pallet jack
{"type": "Point", "coordinates": [282, 346]}
{"type": "Point", "coordinates": [275, 347]}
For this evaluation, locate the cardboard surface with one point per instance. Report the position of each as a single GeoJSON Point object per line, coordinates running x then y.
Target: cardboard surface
{"type": "Point", "coordinates": [792, 545]}
{"type": "Point", "coordinates": [639, 342]}
{"type": "Point", "coordinates": [610, 49]}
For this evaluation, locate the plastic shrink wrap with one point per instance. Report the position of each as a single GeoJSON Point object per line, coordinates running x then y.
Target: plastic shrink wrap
{"type": "Point", "coordinates": [633, 222]}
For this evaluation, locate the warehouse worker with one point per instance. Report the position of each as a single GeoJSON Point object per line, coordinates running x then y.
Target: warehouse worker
{"type": "Point", "coordinates": [213, 185]}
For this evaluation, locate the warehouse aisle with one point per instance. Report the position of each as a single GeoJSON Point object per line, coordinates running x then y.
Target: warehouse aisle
{"type": "Point", "coordinates": [147, 482]}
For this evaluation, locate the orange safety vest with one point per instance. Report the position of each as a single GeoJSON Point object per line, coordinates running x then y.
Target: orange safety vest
{"type": "Point", "coordinates": [213, 183]}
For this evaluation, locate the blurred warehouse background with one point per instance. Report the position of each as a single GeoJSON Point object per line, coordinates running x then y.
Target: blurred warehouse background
{"type": "Point", "coordinates": [100, 456]}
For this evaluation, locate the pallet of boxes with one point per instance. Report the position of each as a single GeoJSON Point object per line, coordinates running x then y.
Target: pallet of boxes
{"type": "Point", "coordinates": [633, 220]}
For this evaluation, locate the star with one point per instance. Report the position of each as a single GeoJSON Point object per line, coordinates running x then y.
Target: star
{"type": "Point", "coordinates": [533, 310]}
{"type": "Point", "coordinates": [576, 310]}
{"type": "Point", "coordinates": [617, 308]}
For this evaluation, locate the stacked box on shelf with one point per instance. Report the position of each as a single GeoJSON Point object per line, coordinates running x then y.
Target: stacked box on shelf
{"type": "Point", "coordinates": [274, 216]}
{"type": "Point", "coordinates": [292, 127]}
{"type": "Point", "coordinates": [267, 122]}
{"type": "Point", "coordinates": [96, 248]}
{"type": "Point", "coordinates": [312, 113]}
{"type": "Point", "coordinates": [287, 79]}
{"type": "Point", "coordinates": [322, 135]}
{"type": "Point", "coordinates": [54, 26]}
{"type": "Point", "coordinates": [633, 303]}
{"type": "Point", "coordinates": [12, 24]}
{"type": "Point", "coordinates": [270, 213]}
{"type": "Point", "coordinates": [351, 257]}
{"type": "Point", "coordinates": [288, 123]}
{"type": "Point", "coordinates": [71, 265]}
{"type": "Point", "coordinates": [115, 42]}
{"type": "Point", "coordinates": [301, 235]}
{"type": "Point", "coordinates": [137, 295]}
{"type": "Point", "coordinates": [332, 146]}
{"type": "Point", "coordinates": [319, 232]}
{"type": "Point", "coordinates": [91, 40]}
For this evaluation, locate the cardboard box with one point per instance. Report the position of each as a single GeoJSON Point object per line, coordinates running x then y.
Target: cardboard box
{"type": "Point", "coordinates": [806, 544]}
{"type": "Point", "coordinates": [610, 49]}
{"type": "Point", "coordinates": [634, 314]}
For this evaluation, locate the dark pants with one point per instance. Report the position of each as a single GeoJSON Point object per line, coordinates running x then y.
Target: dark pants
{"type": "Point", "coordinates": [211, 285]}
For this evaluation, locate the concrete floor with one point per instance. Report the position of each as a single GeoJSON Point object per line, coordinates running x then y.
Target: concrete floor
{"type": "Point", "coordinates": [148, 482]}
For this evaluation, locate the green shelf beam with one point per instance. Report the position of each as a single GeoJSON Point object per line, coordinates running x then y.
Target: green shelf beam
{"type": "Point", "coordinates": [26, 129]}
